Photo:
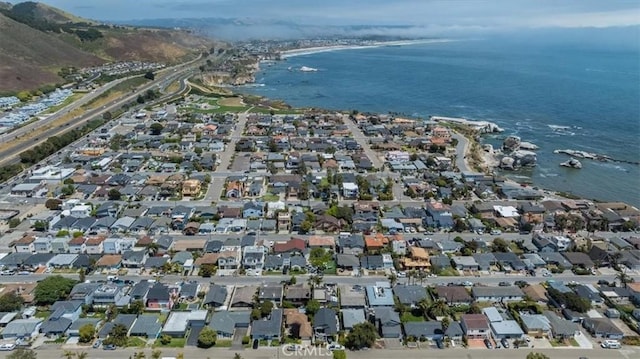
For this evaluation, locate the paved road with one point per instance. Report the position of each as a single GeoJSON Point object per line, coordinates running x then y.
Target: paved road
{"type": "Point", "coordinates": [280, 353]}
{"type": "Point", "coordinates": [462, 150]}
{"type": "Point", "coordinates": [217, 184]}
{"type": "Point", "coordinates": [363, 141]}
{"type": "Point", "coordinates": [492, 280]}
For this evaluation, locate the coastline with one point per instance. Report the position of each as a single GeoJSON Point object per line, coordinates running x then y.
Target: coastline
{"type": "Point", "coordinates": [319, 49]}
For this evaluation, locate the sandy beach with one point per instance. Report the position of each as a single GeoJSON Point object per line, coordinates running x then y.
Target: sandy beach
{"type": "Point", "coordinates": [319, 49]}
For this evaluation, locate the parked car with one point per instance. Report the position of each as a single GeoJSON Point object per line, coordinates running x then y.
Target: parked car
{"type": "Point", "coordinates": [335, 347]}
{"type": "Point", "coordinates": [293, 347]}
{"type": "Point", "coordinates": [97, 344]}
{"type": "Point", "coordinates": [505, 342]}
{"type": "Point", "coordinates": [487, 342]}
{"type": "Point", "coordinates": [109, 347]}
{"type": "Point", "coordinates": [439, 344]}
{"type": "Point", "coordinates": [256, 344]}
{"type": "Point", "coordinates": [504, 284]}
{"type": "Point", "coordinates": [7, 347]}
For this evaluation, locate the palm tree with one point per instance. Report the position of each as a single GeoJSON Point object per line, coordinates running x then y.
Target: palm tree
{"type": "Point", "coordinates": [180, 356]}
{"type": "Point", "coordinates": [615, 260]}
{"type": "Point", "coordinates": [423, 305]}
{"type": "Point", "coordinates": [82, 355]}
{"type": "Point", "coordinates": [68, 354]}
{"type": "Point", "coordinates": [152, 248]}
{"type": "Point", "coordinates": [438, 309]}
{"type": "Point", "coordinates": [624, 279]}
{"type": "Point", "coordinates": [393, 279]}
{"type": "Point", "coordinates": [140, 355]}
{"type": "Point", "coordinates": [237, 356]}
{"type": "Point", "coordinates": [315, 281]}
{"type": "Point", "coordinates": [421, 276]}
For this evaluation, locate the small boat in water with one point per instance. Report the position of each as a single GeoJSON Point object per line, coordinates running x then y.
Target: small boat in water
{"type": "Point", "coordinates": [308, 69]}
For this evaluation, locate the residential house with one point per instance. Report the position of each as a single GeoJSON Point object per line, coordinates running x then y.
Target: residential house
{"type": "Point", "coordinates": [475, 326]}
{"type": "Point", "coordinates": [225, 323]}
{"type": "Point", "coordinates": [430, 330]}
{"type": "Point", "coordinates": [454, 295]}
{"type": "Point", "coordinates": [297, 324]}
{"type": "Point", "coordinates": [497, 295]}
{"type": "Point", "coordinates": [602, 328]}
{"type": "Point", "coordinates": [388, 322]}
{"type": "Point", "coordinates": [325, 324]}
{"type": "Point", "coordinates": [269, 328]}
{"type": "Point", "coordinates": [410, 295]}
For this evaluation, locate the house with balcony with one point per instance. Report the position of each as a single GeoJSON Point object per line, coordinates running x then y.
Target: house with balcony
{"type": "Point", "coordinates": [253, 257]}
{"type": "Point", "coordinates": [475, 326]}
{"type": "Point", "coordinates": [109, 294]}
{"type": "Point", "coordinates": [191, 188]}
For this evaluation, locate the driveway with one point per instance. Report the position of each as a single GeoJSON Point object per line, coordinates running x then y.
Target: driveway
{"type": "Point", "coordinates": [237, 338]}
{"type": "Point", "coordinates": [583, 341]}
{"type": "Point", "coordinates": [192, 339]}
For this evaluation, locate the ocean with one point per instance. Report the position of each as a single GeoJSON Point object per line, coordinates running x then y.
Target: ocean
{"type": "Point", "coordinates": [576, 95]}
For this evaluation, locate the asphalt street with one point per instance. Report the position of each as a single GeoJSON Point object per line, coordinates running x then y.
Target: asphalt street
{"type": "Point", "coordinates": [280, 353]}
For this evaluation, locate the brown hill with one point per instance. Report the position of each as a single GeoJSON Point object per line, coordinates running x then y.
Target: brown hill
{"type": "Point", "coordinates": [30, 58]}
{"type": "Point", "coordinates": [38, 40]}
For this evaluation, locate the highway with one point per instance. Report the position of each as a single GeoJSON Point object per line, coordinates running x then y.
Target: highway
{"type": "Point", "coordinates": [165, 76]}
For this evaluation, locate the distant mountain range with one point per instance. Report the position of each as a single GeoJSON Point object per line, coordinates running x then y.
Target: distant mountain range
{"type": "Point", "coordinates": [38, 40]}
{"type": "Point", "coordinates": [266, 29]}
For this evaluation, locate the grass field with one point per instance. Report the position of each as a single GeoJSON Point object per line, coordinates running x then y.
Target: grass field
{"type": "Point", "coordinates": [410, 317]}
{"type": "Point", "coordinates": [175, 343]}
{"type": "Point", "coordinates": [136, 342]}
{"type": "Point", "coordinates": [71, 99]}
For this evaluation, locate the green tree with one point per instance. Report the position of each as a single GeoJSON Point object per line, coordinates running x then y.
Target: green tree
{"type": "Point", "coordinates": [339, 354]}
{"type": "Point", "coordinates": [21, 353]}
{"type": "Point", "coordinates": [439, 308]}
{"type": "Point", "coordinates": [156, 354]}
{"type": "Point", "coordinates": [207, 270]}
{"type": "Point", "coordinates": [393, 279]}
{"type": "Point", "coordinates": [500, 245]}
{"type": "Point", "coordinates": [14, 222]}
{"type": "Point", "coordinates": [266, 308]}
{"type": "Point", "coordinates": [156, 128]}
{"type": "Point", "coordinates": [82, 275]}
{"type": "Point", "coordinates": [117, 335]}
{"type": "Point", "coordinates": [362, 335]}
{"type": "Point", "coordinates": [536, 355]}
{"type": "Point", "coordinates": [52, 289]}
{"type": "Point", "coordinates": [312, 307]}
{"type": "Point", "coordinates": [165, 339]}
{"type": "Point", "coordinates": [114, 194]}
{"type": "Point", "coordinates": [82, 355]}
{"type": "Point", "coordinates": [68, 354]}
{"type": "Point", "coordinates": [149, 75]}
{"type": "Point", "coordinates": [207, 338]}
{"type": "Point", "coordinates": [87, 332]}
{"type": "Point", "coordinates": [136, 307]}
{"type": "Point", "coordinates": [624, 279]}
{"type": "Point", "coordinates": [11, 302]}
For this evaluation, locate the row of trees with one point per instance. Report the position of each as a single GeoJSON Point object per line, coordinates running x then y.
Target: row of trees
{"type": "Point", "coordinates": [56, 143]}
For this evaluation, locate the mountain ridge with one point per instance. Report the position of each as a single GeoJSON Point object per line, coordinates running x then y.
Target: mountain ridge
{"type": "Point", "coordinates": [40, 40]}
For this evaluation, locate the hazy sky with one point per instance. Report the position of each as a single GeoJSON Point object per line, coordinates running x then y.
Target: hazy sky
{"type": "Point", "coordinates": [494, 14]}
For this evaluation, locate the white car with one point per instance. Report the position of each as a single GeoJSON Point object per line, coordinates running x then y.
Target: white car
{"type": "Point", "coordinates": [7, 347]}
{"type": "Point", "coordinates": [402, 274]}
{"type": "Point", "coordinates": [335, 347]}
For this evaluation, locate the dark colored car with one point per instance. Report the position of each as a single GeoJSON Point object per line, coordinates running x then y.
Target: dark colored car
{"type": "Point", "coordinates": [109, 347]}
{"type": "Point", "coordinates": [256, 343]}
{"type": "Point", "coordinates": [487, 342]}
{"type": "Point", "coordinates": [439, 344]}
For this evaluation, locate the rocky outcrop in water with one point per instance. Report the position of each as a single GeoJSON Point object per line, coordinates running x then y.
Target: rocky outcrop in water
{"type": "Point", "coordinates": [511, 143]}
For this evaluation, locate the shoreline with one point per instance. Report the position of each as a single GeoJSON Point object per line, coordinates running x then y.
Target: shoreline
{"type": "Point", "coordinates": [320, 49]}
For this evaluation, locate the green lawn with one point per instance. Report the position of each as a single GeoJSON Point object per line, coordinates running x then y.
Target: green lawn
{"type": "Point", "coordinates": [448, 273]}
{"type": "Point", "coordinates": [44, 314]}
{"type": "Point", "coordinates": [175, 343]}
{"type": "Point", "coordinates": [68, 101]}
{"type": "Point", "coordinates": [223, 343]}
{"type": "Point", "coordinates": [410, 317]}
{"type": "Point", "coordinates": [270, 198]}
{"type": "Point", "coordinates": [136, 342]}
{"type": "Point", "coordinates": [330, 267]}
{"type": "Point", "coordinates": [574, 342]}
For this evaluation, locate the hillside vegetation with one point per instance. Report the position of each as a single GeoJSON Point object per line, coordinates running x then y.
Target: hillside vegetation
{"type": "Point", "coordinates": [38, 40]}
